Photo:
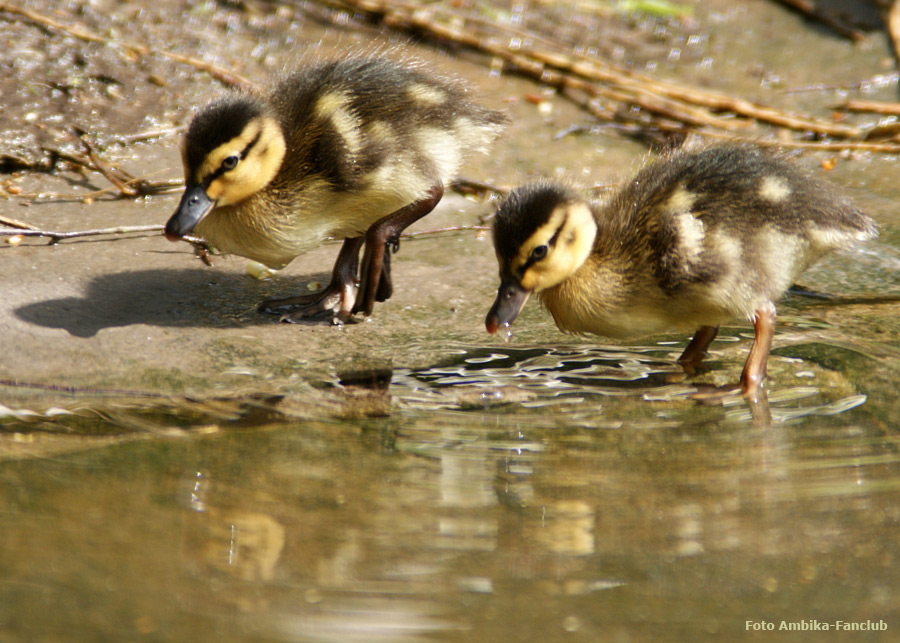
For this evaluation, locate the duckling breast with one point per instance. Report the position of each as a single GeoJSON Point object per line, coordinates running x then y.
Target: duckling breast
{"type": "Point", "coordinates": [610, 296]}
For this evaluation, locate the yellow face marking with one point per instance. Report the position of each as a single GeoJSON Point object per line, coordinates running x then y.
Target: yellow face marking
{"type": "Point", "coordinates": [262, 144]}
{"type": "Point", "coordinates": [774, 188]}
{"type": "Point", "coordinates": [426, 95]}
{"type": "Point", "coordinates": [335, 107]}
{"type": "Point", "coordinates": [234, 147]}
{"type": "Point", "coordinates": [574, 227]}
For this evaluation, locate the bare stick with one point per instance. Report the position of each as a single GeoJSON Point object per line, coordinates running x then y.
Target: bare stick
{"type": "Point", "coordinates": [872, 106]}
{"type": "Point", "coordinates": [466, 187]}
{"type": "Point", "coordinates": [15, 223]}
{"type": "Point", "coordinates": [832, 146]}
{"type": "Point", "coordinates": [682, 103]}
{"type": "Point", "coordinates": [57, 235]}
{"type": "Point", "coordinates": [455, 228]}
{"type": "Point", "coordinates": [107, 171]}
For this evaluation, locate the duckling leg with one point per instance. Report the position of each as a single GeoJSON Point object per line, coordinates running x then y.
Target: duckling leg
{"type": "Point", "coordinates": [696, 350]}
{"type": "Point", "coordinates": [375, 267]}
{"type": "Point", "coordinates": [754, 372]}
{"type": "Point", "coordinates": [336, 298]}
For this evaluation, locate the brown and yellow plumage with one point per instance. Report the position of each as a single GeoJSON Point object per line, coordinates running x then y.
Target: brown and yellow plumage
{"type": "Point", "coordinates": [695, 239]}
{"type": "Point", "coordinates": [357, 148]}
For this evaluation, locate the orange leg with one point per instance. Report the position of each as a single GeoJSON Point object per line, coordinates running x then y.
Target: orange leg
{"type": "Point", "coordinates": [754, 373]}
{"type": "Point", "coordinates": [696, 350]}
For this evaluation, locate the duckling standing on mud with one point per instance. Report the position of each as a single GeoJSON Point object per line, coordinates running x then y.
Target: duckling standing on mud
{"type": "Point", "coordinates": [358, 149]}
{"type": "Point", "coordinates": [694, 240]}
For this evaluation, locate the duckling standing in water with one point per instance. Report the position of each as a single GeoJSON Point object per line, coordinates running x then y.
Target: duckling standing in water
{"type": "Point", "coordinates": [358, 149]}
{"type": "Point", "coordinates": [694, 240]}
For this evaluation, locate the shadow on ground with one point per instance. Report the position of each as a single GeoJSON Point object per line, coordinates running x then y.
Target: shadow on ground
{"type": "Point", "coordinates": [167, 297]}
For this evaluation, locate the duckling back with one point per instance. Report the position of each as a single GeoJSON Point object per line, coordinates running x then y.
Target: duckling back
{"type": "Point", "coordinates": [700, 238]}
{"type": "Point", "coordinates": [692, 241]}
{"type": "Point", "coordinates": [363, 137]}
{"type": "Point", "coordinates": [728, 227]}
{"type": "Point", "coordinates": [363, 119]}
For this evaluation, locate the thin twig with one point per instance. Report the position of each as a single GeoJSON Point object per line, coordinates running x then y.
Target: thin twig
{"type": "Point", "coordinates": [690, 105]}
{"type": "Point", "coordinates": [876, 81]}
{"type": "Point", "coordinates": [872, 106]}
{"type": "Point", "coordinates": [149, 134]}
{"type": "Point", "coordinates": [467, 187]}
{"type": "Point", "coordinates": [15, 223]}
{"type": "Point", "coordinates": [828, 146]}
{"type": "Point", "coordinates": [122, 184]}
{"type": "Point", "coordinates": [455, 228]}
{"type": "Point", "coordinates": [148, 188]}
{"type": "Point", "coordinates": [58, 235]}
{"type": "Point", "coordinates": [128, 186]}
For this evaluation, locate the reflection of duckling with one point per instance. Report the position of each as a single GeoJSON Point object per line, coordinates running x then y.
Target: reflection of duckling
{"type": "Point", "coordinates": [360, 146]}
{"type": "Point", "coordinates": [694, 240]}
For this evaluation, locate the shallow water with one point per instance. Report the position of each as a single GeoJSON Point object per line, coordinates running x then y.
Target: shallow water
{"type": "Point", "coordinates": [176, 467]}
{"type": "Point", "coordinates": [512, 493]}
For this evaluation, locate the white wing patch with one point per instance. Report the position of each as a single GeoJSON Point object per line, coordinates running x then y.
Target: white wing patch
{"type": "Point", "coordinates": [774, 189]}
{"type": "Point", "coordinates": [691, 235]}
{"type": "Point", "coordinates": [334, 107]}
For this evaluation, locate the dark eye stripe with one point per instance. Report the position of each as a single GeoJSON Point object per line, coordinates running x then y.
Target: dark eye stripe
{"type": "Point", "coordinates": [556, 234]}
{"type": "Point", "coordinates": [219, 171]}
{"type": "Point", "coordinates": [552, 242]}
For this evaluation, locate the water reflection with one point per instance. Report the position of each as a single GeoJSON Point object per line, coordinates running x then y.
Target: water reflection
{"type": "Point", "coordinates": [510, 494]}
{"type": "Point", "coordinates": [575, 382]}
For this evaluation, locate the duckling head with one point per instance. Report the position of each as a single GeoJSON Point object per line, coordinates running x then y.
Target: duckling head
{"type": "Point", "coordinates": [543, 233]}
{"type": "Point", "coordinates": [232, 150]}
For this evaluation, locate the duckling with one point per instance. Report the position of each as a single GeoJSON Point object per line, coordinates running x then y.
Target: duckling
{"type": "Point", "coordinates": [357, 149]}
{"type": "Point", "coordinates": [694, 240]}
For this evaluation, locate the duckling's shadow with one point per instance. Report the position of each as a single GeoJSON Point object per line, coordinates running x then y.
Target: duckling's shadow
{"type": "Point", "coordinates": [168, 297]}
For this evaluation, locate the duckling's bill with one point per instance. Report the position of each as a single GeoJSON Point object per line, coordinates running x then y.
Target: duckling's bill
{"type": "Point", "coordinates": [511, 298]}
{"type": "Point", "coordinates": [195, 204]}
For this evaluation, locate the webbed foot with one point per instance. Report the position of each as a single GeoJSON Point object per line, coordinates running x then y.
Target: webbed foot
{"type": "Point", "coordinates": [334, 303]}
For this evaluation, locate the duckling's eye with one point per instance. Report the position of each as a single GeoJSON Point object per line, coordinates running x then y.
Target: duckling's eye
{"type": "Point", "coordinates": [230, 162]}
{"type": "Point", "coordinates": [539, 253]}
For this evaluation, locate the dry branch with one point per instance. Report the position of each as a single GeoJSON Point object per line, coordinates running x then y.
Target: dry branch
{"type": "Point", "coordinates": [56, 236]}
{"type": "Point", "coordinates": [15, 223]}
{"type": "Point", "coordinates": [872, 107]}
{"type": "Point", "coordinates": [670, 102]}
